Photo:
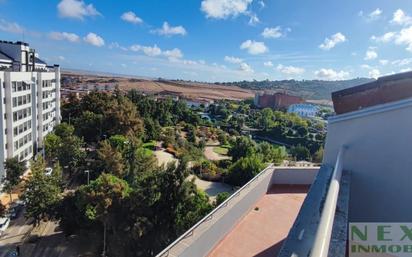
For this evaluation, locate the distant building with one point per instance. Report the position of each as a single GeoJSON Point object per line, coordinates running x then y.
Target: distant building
{"type": "Point", "coordinates": [304, 110]}
{"type": "Point", "coordinates": [275, 100]}
{"type": "Point", "coordinates": [30, 101]}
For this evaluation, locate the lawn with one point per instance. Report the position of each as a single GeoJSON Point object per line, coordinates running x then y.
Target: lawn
{"type": "Point", "coordinates": [150, 145]}
{"type": "Point", "coordinates": [220, 150]}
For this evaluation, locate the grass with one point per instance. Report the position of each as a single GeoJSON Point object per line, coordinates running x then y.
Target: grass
{"type": "Point", "coordinates": [220, 150]}
{"type": "Point", "coordinates": [147, 152]}
{"type": "Point", "coordinates": [149, 147]}
{"type": "Point", "coordinates": [150, 144]}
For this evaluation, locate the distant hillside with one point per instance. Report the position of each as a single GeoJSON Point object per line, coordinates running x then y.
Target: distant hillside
{"type": "Point", "coordinates": [308, 89]}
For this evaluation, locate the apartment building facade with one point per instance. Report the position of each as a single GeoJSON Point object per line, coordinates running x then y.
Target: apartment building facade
{"type": "Point", "coordinates": [30, 101]}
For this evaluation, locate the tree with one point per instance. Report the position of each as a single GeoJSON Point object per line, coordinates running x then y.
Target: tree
{"type": "Point", "coordinates": [271, 153]}
{"type": "Point", "coordinates": [41, 193]}
{"type": "Point", "coordinates": [221, 136]}
{"type": "Point", "coordinates": [65, 146]}
{"type": "Point", "coordinates": [245, 169]}
{"type": "Point", "coordinates": [89, 126]}
{"type": "Point", "coordinates": [266, 119]}
{"type": "Point", "coordinates": [318, 156]}
{"type": "Point", "coordinates": [300, 153]}
{"type": "Point", "coordinates": [122, 118]}
{"type": "Point", "coordinates": [191, 134]}
{"type": "Point", "coordinates": [101, 197]}
{"type": "Point", "coordinates": [2, 210]}
{"type": "Point", "coordinates": [242, 147]}
{"type": "Point", "coordinates": [14, 170]}
{"type": "Point", "coordinates": [111, 159]}
{"type": "Point", "coordinates": [221, 197]}
{"type": "Point", "coordinates": [152, 129]}
{"type": "Point", "coordinates": [52, 144]}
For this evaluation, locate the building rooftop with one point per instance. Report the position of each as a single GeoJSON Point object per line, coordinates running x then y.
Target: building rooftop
{"type": "Point", "coordinates": [39, 61]}
{"type": "Point", "coordinates": [4, 56]}
{"type": "Point", "coordinates": [264, 228]}
{"type": "Point", "coordinates": [384, 90]}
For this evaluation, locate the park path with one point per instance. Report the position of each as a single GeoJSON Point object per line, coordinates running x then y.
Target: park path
{"type": "Point", "coordinates": [211, 155]}
{"type": "Point", "coordinates": [212, 189]}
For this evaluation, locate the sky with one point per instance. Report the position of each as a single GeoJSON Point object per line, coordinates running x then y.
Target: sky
{"type": "Point", "coordinates": [217, 40]}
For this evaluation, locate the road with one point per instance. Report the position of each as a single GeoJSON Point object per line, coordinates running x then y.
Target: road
{"type": "Point", "coordinates": [15, 233]}
{"type": "Point", "coordinates": [46, 240]}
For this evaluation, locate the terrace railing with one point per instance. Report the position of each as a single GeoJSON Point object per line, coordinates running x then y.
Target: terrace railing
{"type": "Point", "coordinates": [324, 231]}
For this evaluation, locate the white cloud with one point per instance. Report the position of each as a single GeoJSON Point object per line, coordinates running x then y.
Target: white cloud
{"type": "Point", "coordinates": [10, 27]}
{"type": "Point", "coordinates": [402, 62]}
{"type": "Point", "coordinates": [374, 73]}
{"type": "Point", "coordinates": [370, 54]}
{"type": "Point", "coordinates": [400, 18]}
{"type": "Point", "coordinates": [376, 14]}
{"type": "Point", "coordinates": [290, 70]}
{"type": "Point", "coordinates": [404, 37]}
{"type": "Point", "coordinates": [254, 47]}
{"type": "Point", "coordinates": [153, 51]}
{"type": "Point", "coordinates": [222, 9]}
{"type": "Point", "coordinates": [385, 38]}
{"type": "Point", "coordinates": [383, 62]}
{"type": "Point", "coordinates": [253, 19]}
{"type": "Point", "coordinates": [262, 4]}
{"type": "Point", "coordinates": [94, 39]}
{"type": "Point", "coordinates": [330, 74]}
{"type": "Point", "coordinates": [114, 45]}
{"type": "Point", "coordinates": [268, 64]}
{"type": "Point", "coordinates": [245, 67]}
{"type": "Point", "coordinates": [135, 48]}
{"type": "Point", "coordinates": [76, 9]}
{"type": "Point", "coordinates": [173, 54]}
{"type": "Point", "coordinates": [405, 70]}
{"type": "Point", "coordinates": [275, 32]}
{"type": "Point", "coordinates": [131, 17]}
{"type": "Point", "coordinates": [231, 59]}
{"type": "Point", "coordinates": [366, 66]}
{"type": "Point", "coordinates": [61, 58]}
{"type": "Point", "coordinates": [168, 30]}
{"type": "Point", "coordinates": [71, 37]}
{"type": "Point", "coordinates": [331, 42]}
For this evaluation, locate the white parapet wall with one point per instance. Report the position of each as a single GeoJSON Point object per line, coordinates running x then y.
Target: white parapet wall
{"type": "Point", "coordinates": [294, 175]}
{"type": "Point", "coordinates": [207, 233]}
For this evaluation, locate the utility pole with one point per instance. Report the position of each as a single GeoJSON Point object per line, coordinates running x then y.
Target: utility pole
{"type": "Point", "coordinates": [88, 176]}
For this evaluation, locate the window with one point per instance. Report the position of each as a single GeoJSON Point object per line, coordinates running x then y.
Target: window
{"type": "Point", "coordinates": [21, 114]}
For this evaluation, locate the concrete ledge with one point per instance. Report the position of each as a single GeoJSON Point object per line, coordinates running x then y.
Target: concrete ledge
{"type": "Point", "coordinates": [337, 247]}
{"type": "Point", "coordinates": [302, 235]}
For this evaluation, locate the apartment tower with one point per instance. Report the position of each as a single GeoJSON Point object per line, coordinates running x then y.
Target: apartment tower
{"type": "Point", "coordinates": [30, 101]}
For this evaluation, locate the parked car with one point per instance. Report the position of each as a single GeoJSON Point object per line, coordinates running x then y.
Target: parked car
{"type": "Point", "coordinates": [4, 224]}
{"type": "Point", "coordinates": [49, 171]}
{"type": "Point", "coordinates": [15, 210]}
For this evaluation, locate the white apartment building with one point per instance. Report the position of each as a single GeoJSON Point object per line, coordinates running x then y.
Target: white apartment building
{"type": "Point", "coordinates": [30, 101]}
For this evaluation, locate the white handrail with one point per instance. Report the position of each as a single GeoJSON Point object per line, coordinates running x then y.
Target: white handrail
{"type": "Point", "coordinates": [324, 232]}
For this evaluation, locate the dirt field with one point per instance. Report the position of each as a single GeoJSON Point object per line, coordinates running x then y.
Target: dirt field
{"type": "Point", "coordinates": [186, 90]}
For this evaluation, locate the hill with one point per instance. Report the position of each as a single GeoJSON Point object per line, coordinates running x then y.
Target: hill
{"type": "Point", "coordinates": [308, 89]}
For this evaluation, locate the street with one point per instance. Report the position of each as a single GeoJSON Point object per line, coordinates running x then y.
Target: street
{"type": "Point", "coordinates": [43, 240]}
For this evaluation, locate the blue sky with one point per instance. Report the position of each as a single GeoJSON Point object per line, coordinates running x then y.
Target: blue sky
{"type": "Point", "coordinates": [217, 40]}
